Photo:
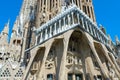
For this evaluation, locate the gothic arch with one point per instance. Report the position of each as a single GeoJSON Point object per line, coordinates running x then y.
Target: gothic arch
{"type": "Point", "coordinates": [105, 59]}
{"type": "Point", "coordinates": [82, 51]}
{"type": "Point", "coordinates": [37, 61]}
{"type": "Point", "coordinates": [102, 58]}
{"type": "Point", "coordinates": [53, 60]}
{"type": "Point", "coordinates": [73, 57]}
{"type": "Point", "coordinates": [40, 53]}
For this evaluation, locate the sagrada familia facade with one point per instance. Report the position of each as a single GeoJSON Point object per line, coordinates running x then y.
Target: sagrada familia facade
{"type": "Point", "coordinates": [58, 40]}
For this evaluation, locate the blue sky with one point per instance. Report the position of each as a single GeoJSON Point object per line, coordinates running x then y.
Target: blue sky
{"type": "Point", "coordinates": [9, 9]}
{"type": "Point", "coordinates": [107, 13]}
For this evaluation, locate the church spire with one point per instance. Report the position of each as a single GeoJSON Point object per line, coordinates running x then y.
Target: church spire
{"type": "Point", "coordinates": [15, 28]}
{"type": "Point", "coordinates": [15, 25]}
{"type": "Point", "coordinates": [6, 28]}
{"type": "Point", "coordinates": [26, 10]}
{"type": "Point", "coordinates": [4, 34]}
{"type": "Point", "coordinates": [117, 40]}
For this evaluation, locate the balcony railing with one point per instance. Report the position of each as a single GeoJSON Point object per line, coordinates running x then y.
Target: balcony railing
{"type": "Point", "coordinates": [70, 18]}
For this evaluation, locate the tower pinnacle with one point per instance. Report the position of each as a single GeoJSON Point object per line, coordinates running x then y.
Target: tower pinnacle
{"type": "Point", "coordinates": [117, 40]}
{"type": "Point", "coordinates": [6, 28]}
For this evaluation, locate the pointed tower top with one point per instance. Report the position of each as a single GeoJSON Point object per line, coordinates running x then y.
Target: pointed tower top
{"type": "Point", "coordinates": [16, 24]}
{"type": "Point", "coordinates": [102, 29]}
{"type": "Point", "coordinates": [117, 40]}
{"type": "Point", "coordinates": [6, 28]}
{"type": "Point", "coordinates": [109, 37]}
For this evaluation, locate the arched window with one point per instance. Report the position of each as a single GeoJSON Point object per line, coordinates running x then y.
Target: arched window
{"type": "Point", "coordinates": [75, 76]}
{"type": "Point", "coordinates": [99, 77]}
{"type": "Point", "coordinates": [70, 76]}
{"type": "Point", "coordinates": [50, 77]}
{"type": "Point", "coordinates": [78, 76]}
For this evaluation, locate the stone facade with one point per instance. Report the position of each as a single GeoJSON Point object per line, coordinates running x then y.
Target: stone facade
{"type": "Point", "coordinates": [58, 40]}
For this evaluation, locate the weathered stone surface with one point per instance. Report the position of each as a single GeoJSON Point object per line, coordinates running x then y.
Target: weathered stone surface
{"type": "Point", "coordinates": [58, 40]}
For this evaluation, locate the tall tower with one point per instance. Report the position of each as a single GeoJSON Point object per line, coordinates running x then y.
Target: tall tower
{"type": "Point", "coordinates": [27, 15]}
{"type": "Point", "coordinates": [38, 12]}
{"type": "Point", "coordinates": [47, 9]}
{"type": "Point", "coordinates": [58, 40]}
{"type": "Point", "coordinates": [27, 7]}
{"type": "Point", "coordinates": [87, 7]}
{"type": "Point", "coordinates": [4, 36]}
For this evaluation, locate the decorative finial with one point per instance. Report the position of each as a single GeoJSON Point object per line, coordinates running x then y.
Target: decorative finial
{"type": "Point", "coordinates": [6, 28]}
{"type": "Point", "coordinates": [109, 37]}
{"type": "Point", "coordinates": [117, 40]}
{"type": "Point", "coordinates": [16, 24]}
{"type": "Point", "coordinates": [102, 29]}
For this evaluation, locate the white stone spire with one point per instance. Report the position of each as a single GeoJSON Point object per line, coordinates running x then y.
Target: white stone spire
{"type": "Point", "coordinates": [109, 37]}
{"type": "Point", "coordinates": [117, 40]}
{"type": "Point", "coordinates": [6, 28]}
{"type": "Point", "coordinates": [15, 27]}
{"type": "Point", "coordinates": [26, 10]}
{"type": "Point", "coordinates": [4, 34]}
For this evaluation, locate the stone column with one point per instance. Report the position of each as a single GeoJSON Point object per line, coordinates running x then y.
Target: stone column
{"type": "Point", "coordinates": [90, 13]}
{"type": "Point", "coordinates": [94, 31]}
{"type": "Point", "coordinates": [42, 68]}
{"type": "Point", "coordinates": [104, 49]}
{"type": "Point", "coordinates": [91, 29]}
{"type": "Point", "coordinates": [90, 42]}
{"type": "Point", "coordinates": [82, 22]}
{"type": "Point", "coordinates": [72, 18]}
{"type": "Point", "coordinates": [40, 6]}
{"type": "Point", "coordinates": [41, 35]}
{"type": "Point", "coordinates": [55, 28]}
{"type": "Point", "coordinates": [59, 26]}
{"type": "Point", "coordinates": [78, 18]}
{"type": "Point", "coordinates": [64, 24]}
{"type": "Point", "coordinates": [114, 67]}
{"type": "Point", "coordinates": [73, 77]}
{"type": "Point", "coordinates": [72, 2]}
{"type": "Point", "coordinates": [115, 62]}
{"type": "Point", "coordinates": [50, 31]}
{"type": "Point", "coordinates": [46, 5]}
{"type": "Point", "coordinates": [86, 57]}
{"type": "Point", "coordinates": [27, 71]}
{"type": "Point", "coordinates": [98, 34]}
{"type": "Point", "coordinates": [24, 42]}
{"type": "Point", "coordinates": [63, 60]}
{"type": "Point", "coordinates": [58, 4]}
{"type": "Point", "coordinates": [42, 1]}
{"type": "Point", "coordinates": [46, 34]}
{"type": "Point", "coordinates": [105, 67]}
{"type": "Point", "coordinates": [87, 25]}
{"type": "Point", "coordinates": [36, 40]}
{"type": "Point", "coordinates": [68, 20]}
{"type": "Point", "coordinates": [101, 38]}
{"type": "Point", "coordinates": [90, 67]}
{"type": "Point", "coordinates": [78, 1]}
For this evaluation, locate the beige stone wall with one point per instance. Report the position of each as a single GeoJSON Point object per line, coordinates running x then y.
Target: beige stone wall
{"type": "Point", "coordinates": [74, 58]}
{"type": "Point", "coordinates": [47, 9]}
{"type": "Point", "coordinates": [73, 54]}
